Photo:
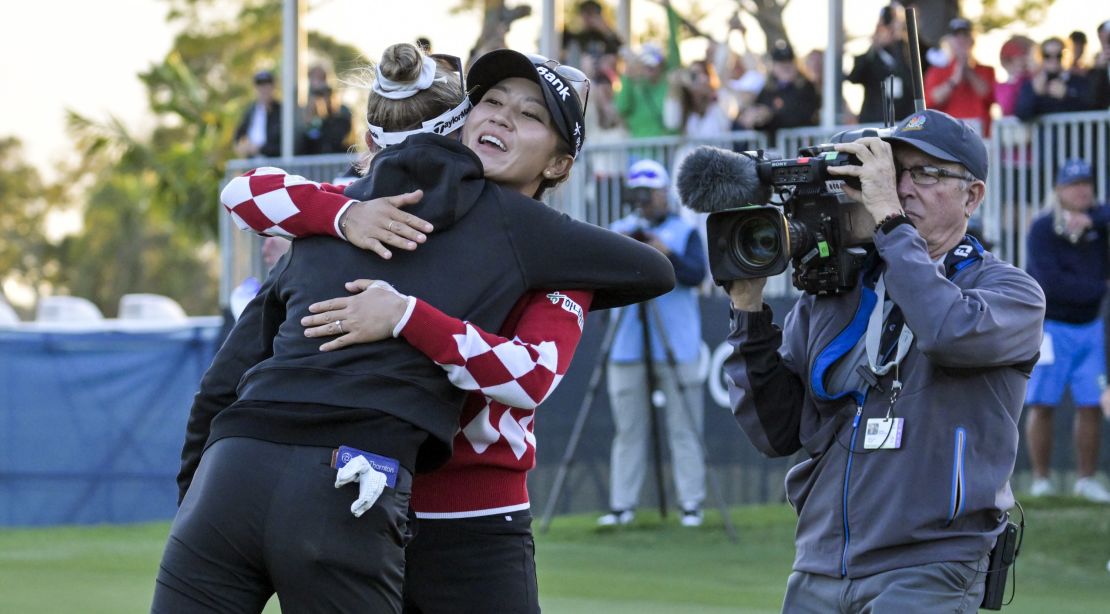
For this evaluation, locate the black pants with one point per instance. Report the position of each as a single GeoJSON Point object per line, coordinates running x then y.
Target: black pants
{"type": "Point", "coordinates": [263, 517]}
{"type": "Point", "coordinates": [472, 565]}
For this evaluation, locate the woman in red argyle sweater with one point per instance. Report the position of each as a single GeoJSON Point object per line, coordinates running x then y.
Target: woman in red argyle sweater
{"type": "Point", "coordinates": [473, 549]}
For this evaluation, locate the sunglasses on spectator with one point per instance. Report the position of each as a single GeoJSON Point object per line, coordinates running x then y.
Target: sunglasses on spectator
{"type": "Point", "coordinates": [577, 79]}
{"type": "Point", "coordinates": [929, 175]}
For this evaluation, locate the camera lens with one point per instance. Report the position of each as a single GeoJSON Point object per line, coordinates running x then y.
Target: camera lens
{"type": "Point", "coordinates": [756, 242]}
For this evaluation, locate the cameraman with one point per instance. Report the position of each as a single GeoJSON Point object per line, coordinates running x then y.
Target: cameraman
{"type": "Point", "coordinates": [629, 396]}
{"type": "Point", "coordinates": [908, 419]}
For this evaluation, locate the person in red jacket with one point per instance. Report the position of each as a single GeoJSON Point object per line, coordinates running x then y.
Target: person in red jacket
{"type": "Point", "coordinates": [963, 88]}
{"type": "Point", "coordinates": [473, 543]}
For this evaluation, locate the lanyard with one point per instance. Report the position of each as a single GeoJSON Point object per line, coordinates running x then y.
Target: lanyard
{"type": "Point", "coordinates": [875, 332]}
{"type": "Point", "coordinates": [967, 252]}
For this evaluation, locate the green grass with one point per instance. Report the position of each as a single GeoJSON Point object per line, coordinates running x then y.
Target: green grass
{"type": "Point", "coordinates": [650, 567]}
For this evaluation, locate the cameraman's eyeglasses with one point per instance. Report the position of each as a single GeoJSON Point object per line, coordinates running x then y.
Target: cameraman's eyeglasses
{"type": "Point", "coordinates": [577, 79]}
{"type": "Point", "coordinates": [928, 175]}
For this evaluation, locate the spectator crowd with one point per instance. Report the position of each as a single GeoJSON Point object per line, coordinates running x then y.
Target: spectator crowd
{"type": "Point", "coordinates": [650, 92]}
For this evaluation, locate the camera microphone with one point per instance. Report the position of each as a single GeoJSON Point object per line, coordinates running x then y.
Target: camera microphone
{"type": "Point", "coordinates": [712, 179]}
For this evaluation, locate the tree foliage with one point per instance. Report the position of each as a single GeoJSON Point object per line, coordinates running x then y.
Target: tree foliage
{"type": "Point", "coordinates": [1026, 12]}
{"type": "Point", "coordinates": [24, 205]}
{"type": "Point", "coordinates": [129, 246]}
{"type": "Point", "coordinates": [151, 215]}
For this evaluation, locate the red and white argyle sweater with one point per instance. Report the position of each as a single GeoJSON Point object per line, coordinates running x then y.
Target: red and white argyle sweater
{"type": "Point", "coordinates": [272, 202]}
{"type": "Point", "coordinates": [509, 377]}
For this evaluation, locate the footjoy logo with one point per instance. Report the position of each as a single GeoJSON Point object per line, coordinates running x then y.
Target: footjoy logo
{"type": "Point", "coordinates": [555, 81]}
{"type": "Point", "coordinates": [568, 305]}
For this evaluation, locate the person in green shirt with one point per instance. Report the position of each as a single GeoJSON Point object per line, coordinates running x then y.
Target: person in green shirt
{"type": "Point", "coordinates": [645, 86]}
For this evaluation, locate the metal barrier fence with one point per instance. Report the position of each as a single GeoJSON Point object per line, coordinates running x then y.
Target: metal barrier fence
{"type": "Point", "coordinates": [1024, 160]}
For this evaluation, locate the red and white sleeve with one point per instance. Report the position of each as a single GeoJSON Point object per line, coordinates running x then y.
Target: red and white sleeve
{"type": "Point", "coordinates": [519, 372]}
{"type": "Point", "coordinates": [272, 202]}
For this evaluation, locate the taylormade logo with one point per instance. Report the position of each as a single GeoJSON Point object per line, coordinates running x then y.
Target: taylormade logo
{"type": "Point", "coordinates": [554, 80]}
{"type": "Point", "coordinates": [447, 125]}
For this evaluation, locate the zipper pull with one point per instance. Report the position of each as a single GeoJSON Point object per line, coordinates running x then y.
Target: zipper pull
{"type": "Point", "coordinates": [859, 411]}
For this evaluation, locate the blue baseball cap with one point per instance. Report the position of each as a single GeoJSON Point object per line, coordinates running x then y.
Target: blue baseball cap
{"type": "Point", "coordinates": [944, 137]}
{"type": "Point", "coordinates": [1074, 171]}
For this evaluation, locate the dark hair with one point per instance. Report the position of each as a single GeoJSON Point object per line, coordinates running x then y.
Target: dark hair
{"type": "Point", "coordinates": [563, 149]}
{"type": "Point", "coordinates": [1052, 41]}
{"type": "Point", "coordinates": [886, 15]}
{"type": "Point", "coordinates": [589, 6]}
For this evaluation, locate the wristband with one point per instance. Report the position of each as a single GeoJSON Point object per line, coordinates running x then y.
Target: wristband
{"type": "Point", "coordinates": [892, 221]}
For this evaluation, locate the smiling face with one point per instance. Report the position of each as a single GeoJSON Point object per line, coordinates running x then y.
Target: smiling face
{"type": "Point", "coordinates": [939, 211]}
{"type": "Point", "coordinates": [513, 135]}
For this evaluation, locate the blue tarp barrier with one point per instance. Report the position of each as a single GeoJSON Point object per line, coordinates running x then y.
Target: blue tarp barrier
{"type": "Point", "coordinates": [92, 423]}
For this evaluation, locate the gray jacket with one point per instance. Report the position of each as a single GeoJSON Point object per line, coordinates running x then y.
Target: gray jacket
{"type": "Point", "coordinates": [942, 494]}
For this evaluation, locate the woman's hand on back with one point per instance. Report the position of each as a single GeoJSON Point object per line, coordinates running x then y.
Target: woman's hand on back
{"type": "Point", "coordinates": [377, 224]}
{"type": "Point", "coordinates": [370, 315]}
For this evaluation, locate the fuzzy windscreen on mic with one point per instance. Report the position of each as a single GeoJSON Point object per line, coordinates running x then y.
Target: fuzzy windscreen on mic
{"type": "Point", "coordinates": [713, 179]}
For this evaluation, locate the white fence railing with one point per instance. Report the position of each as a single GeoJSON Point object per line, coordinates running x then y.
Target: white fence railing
{"type": "Point", "coordinates": [1024, 160]}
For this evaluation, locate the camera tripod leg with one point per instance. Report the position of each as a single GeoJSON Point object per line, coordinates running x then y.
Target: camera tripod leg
{"type": "Point", "coordinates": [651, 380]}
{"type": "Point", "coordinates": [580, 422]}
{"type": "Point", "coordinates": [711, 480]}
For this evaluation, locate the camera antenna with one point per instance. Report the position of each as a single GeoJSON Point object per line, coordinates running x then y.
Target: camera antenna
{"type": "Point", "coordinates": [915, 61]}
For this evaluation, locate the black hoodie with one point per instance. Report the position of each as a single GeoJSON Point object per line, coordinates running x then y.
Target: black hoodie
{"type": "Point", "coordinates": [490, 246]}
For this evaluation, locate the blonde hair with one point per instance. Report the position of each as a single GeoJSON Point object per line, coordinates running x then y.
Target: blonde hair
{"type": "Point", "coordinates": [403, 62]}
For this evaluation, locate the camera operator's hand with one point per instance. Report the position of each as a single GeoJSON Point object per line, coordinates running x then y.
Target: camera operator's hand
{"type": "Point", "coordinates": [879, 183]}
{"type": "Point", "coordinates": [747, 294]}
